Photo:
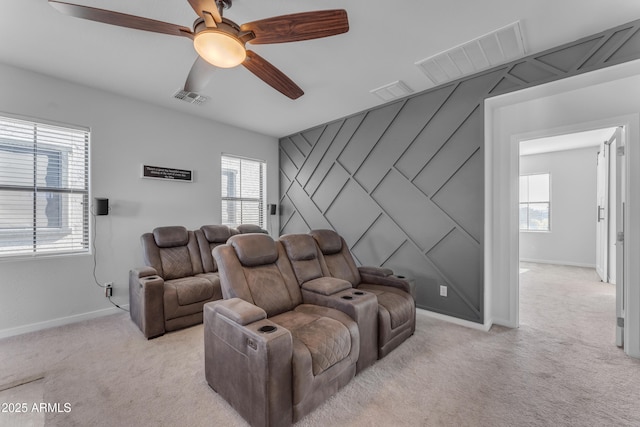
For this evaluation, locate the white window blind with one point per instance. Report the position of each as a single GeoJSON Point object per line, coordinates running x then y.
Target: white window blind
{"type": "Point", "coordinates": [243, 191]}
{"type": "Point", "coordinates": [44, 188]}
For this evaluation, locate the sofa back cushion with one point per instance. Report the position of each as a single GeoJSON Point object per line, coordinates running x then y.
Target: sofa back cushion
{"type": "Point", "coordinates": [208, 237]}
{"type": "Point", "coordinates": [336, 259]}
{"type": "Point", "coordinates": [255, 268]}
{"type": "Point", "coordinates": [303, 253]}
{"type": "Point", "coordinates": [172, 251]}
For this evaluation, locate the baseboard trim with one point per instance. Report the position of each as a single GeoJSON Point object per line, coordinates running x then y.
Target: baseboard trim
{"type": "Point", "coordinates": [455, 320]}
{"type": "Point", "coordinates": [33, 327]}
{"type": "Point", "coordinates": [569, 263]}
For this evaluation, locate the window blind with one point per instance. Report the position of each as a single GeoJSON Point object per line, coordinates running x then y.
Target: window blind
{"type": "Point", "coordinates": [44, 188]}
{"type": "Point", "coordinates": [243, 191]}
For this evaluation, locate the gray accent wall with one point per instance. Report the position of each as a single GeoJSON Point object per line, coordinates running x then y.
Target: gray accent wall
{"type": "Point", "coordinates": [403, 183]}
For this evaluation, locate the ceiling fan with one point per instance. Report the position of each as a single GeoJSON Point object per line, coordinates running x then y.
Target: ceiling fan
{"type": "Point", "coordinates": [220, 42]}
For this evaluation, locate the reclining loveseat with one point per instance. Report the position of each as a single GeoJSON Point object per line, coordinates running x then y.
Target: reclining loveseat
{"type": "Point", "coordinates": [289, 333]}
{"type": "Point", "coordinates": [178, 278]}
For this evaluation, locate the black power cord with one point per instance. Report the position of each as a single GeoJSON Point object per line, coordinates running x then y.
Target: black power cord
{"type": "Point", "coordinates": [95, 263]}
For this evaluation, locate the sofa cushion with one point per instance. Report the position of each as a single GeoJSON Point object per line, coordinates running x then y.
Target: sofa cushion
{"type": "Point", "coordinates": [398, 303]}
{"type": "Point", "coordinates": [251, 228]}
{"type": "Point", "coordinates": [190, 290]}
{"type": "Point", "coordinates": [217, 233]}
{"type": "Point", "coordinates": [329, 241]}
{"type": "Point", "coordinates": [254, 250]}
{"type": "Point", "coordinates": [176, 262]}
{"type": "Point", "coordinates": [168, 237]}
{"type": "Point", "coordinates": [327, 340]}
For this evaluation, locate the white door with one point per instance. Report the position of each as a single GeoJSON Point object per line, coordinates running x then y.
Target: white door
{"type": "Point", "coordinates": [602, 230]}
{"type": "Point", "coordinates": [620, 179]}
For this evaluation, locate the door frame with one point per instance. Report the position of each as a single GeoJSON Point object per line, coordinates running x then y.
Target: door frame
{"type": "Point", "coordinates": [513, 117]}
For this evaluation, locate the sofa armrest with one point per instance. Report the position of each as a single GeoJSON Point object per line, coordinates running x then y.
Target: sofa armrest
{"type": "Point", "coordinates": [375, 271]}
{"type": "Point", "coordinates": [250, 365]}
{"type": "Point", "coordinates": [326, 285]}
{"type": "Point", "coordinates": [146, 301]}
{"type": "Point", "coordinates": [240, 311]}
{"type": "Point", "coordinates": [141, 272]}
{"type": "Point", "coordinates": [394, 281]}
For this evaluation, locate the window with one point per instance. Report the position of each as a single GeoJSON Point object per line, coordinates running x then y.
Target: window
{"type": "Point", "coordinates": [44, 187]}
{"type": "Point", "coordinates": [534, 202]}
{"type": "Point", "coordinates": [243, 193]}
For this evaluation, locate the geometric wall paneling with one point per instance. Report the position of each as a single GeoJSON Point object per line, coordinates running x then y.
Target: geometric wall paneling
{"type": "Point", "coordinates": [295, 154]}
{"type": "Point", "coordinates": [380, 241]}
{"type": "Point", "coordinates": [403, 183]}
{"type": "Point", "coordinates": [317, 152]}
{"type": "Point", "coordinates": [335, 178]}
{"type": "Point", "coordinates": [565, 59]}
{"type": "Point", "coordinates": [369, 132]}
{"type": "Point", "coordinates": [306, 208]}
{"type": "Point", "coordinates": [352, 212]}
{"type": "Point", "coordinates": [462, 144]}
{"type": "Point", "coordinates": [459, 260]}
{"type": "Point", "coordinates": [423, 222]}
{"type": "Point", "coordinates": [295, 224]}
{"type": "Point", "coordinates": [629, 47]}
{"type": "Point", "coordinates": [462, 102]}
{"type": "Point", "coordinates": [462, 197]}
{"type": "Point", "coordinates": [287, 166]}
{"type": "Point", "coordinates": [409, 122]}
{"type": "Point", "coordinates": [348, 128]}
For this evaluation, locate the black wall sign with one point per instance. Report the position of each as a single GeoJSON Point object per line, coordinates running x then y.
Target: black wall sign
{"type": "Point", "coordinates": [166, 173]}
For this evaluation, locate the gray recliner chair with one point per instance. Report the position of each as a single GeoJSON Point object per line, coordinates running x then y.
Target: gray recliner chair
{"type": "Point", "coordinates": [271, 355]}
{"type": "Point", "coordinates": [396, 305]}
{"type": "Point", "coordinates": [169, 293]}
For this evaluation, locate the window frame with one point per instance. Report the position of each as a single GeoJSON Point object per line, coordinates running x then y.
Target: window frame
{"type": "Point", "coordinates": [238, 180]}
{"type": "Point", "coordinates": [529, 202]}
{"type": "Point", "coordinates": [36, 233]}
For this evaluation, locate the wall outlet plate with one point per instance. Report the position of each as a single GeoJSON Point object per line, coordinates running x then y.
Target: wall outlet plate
{"type": "Point", "coordinates": [443, 291]}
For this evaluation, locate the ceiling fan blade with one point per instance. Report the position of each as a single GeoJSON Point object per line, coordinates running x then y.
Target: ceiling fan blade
{"type": "Point", "coordinates": [120, 19]}
{"type": "Point", "coordinates": [199, 76]}
{"type": "Point", "coordinates": [206, 8]}
{"type": "Point", "coordinates": [298, 26]}
{"type": "Point", "coordinates": [271, 75]}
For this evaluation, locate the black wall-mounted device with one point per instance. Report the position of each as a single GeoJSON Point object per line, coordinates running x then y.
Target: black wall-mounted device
{"type": "Point", "coordinates": [102, 206]}
{"type": "Point", "coordinates": [272, 209]}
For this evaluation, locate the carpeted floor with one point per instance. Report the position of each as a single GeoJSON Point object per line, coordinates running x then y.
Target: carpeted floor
{"type": "Point", "coordinates": [559, 368]}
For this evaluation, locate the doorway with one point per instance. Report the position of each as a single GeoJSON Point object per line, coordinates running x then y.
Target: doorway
{"type": "Point", "coordinates": [567, 217]}
{"type": "Point", "coordinates": [598, 99]}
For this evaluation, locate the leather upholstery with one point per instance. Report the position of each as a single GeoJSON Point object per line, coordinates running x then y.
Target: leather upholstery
{"type": "Point", "coordinates": [396, 305]}
{"type": "Point", "coordinates": [170, 292]}
{"type": "Point", "coordinates": [208, 237]}
{"type": "Point", "coordinates": [273, 377]}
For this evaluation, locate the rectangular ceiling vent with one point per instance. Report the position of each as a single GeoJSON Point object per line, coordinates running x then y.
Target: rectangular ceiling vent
{"type": "Point", "coordinates": [498, 47]}
{"type": "Point", "coordinates": [190, 97]}
{"type": "Point", "coordinates": [395, 90]}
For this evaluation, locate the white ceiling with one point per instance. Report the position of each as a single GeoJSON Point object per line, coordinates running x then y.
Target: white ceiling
{"type": "Point", "coordinates": [571, 141]}
{"type": "Point", "coordinates": [384, 41]}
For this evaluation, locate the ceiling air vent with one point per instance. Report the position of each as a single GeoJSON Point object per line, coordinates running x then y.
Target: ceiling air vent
{"type": "Point", "coordinates": [498, 47]}
{"type": "Point", "coordinates": [392, 91]}
{"type": "Point", "coordinates": [190, 97]}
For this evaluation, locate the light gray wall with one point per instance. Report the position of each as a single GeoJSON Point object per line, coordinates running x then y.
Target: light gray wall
{"type": "Point", "coordinates": [404, 182]}
{"type": "Point", "coordinates": [124, 135]}
{"type": "Point", "coordinates": [572, 239]}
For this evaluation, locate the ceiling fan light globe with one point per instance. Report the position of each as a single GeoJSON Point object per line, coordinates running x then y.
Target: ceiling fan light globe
{"type": "Point", "coordinates": [219, 48]}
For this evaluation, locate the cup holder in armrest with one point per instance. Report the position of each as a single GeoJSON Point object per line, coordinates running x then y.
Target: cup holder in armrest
{"type": "Point", "coordinates": [266, 329]}
{"type": "Point", "coordinates": [358, 293]}
{"type": "Point", "coordinates": [346, 297]}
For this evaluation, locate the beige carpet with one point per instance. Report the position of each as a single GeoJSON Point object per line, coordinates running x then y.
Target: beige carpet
{"type": "Point", "coordinates": [560, 368]}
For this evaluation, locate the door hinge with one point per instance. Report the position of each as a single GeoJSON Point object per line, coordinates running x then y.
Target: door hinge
{"type": "Point", "coordinates": [621, 322]}
{"type": "Point", "coordinates": [620, 236]}
{"type": "Point", "coordinates": [620, 150]}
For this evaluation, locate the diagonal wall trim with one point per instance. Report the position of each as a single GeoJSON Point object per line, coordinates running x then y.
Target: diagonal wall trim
{"type": "Point", "coordinates": [378, 157]}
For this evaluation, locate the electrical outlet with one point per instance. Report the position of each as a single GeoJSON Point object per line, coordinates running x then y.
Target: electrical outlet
{"type": "Point", "coordinates": [443, 291]}
{"type": "Point", "coordinates": [108, 289]}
